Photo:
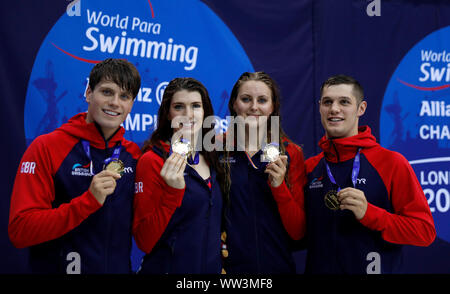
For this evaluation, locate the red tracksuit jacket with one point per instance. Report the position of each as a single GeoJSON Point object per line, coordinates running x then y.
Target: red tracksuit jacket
{"type": "Point", "coordinates": [397, 211]}
{"type": "Point", "coordinates": [53, 211]}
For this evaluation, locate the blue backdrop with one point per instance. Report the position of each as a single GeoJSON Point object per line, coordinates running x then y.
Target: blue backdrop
{"type": "Point", "coordinates": [396, 49]}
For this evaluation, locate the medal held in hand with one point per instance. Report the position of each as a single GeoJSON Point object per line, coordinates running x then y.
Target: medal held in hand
{"type": "Point", "coordinates": [112, 163]}
{"type": "Point", "coordinates": [182, 147]}
{"type": "Point", "coordinates": [331, 200]}
{"type": "Point", "coordinates": [115, 165]}
{"type": "Point", "coordinates": [271, 152]}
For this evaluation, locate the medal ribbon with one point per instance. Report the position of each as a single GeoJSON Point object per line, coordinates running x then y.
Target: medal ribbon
{"type": "Point", "coordinates": [355, 171]}
{"type": "Point", "coordinates": [250, 159]}
{"type": "Point", "coordinates": [114, 156]}
{"type": "Point", "coordinates": [195, 160]}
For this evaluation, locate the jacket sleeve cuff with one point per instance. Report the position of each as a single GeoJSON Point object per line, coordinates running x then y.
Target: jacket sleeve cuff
{"type": "Point", "coordinates": [91, 202]}
{"type": "Point", "coordinates": [281, 193]}
{"type": "Point", "coordinates": [173, 196]}
{"type": "Point", "coordinates": [374, 218]}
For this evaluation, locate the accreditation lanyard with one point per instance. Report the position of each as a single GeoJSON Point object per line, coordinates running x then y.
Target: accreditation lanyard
{"type": "Point", "coordinates": [114, 156]}
{"type": "Point", "coordinates": [355, 171]}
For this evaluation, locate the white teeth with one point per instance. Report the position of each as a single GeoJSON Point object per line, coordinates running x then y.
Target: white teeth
{"type": "Point", "coordinates": [109, 112]}
{"type": "Point", "coordinates": [335, 119]}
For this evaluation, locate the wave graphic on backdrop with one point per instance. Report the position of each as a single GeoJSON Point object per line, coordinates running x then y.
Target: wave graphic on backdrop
{"type": "Point", "coordinates": [424, 88]}
{"type": "Point", "coordinates": [77, 57]}
{"type": "Point", "coordinates": [163, 39]}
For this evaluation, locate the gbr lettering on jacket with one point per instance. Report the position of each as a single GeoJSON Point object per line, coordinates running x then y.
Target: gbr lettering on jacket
{"type": "Point", "coordinates": [138, 187]}
{"type": "Point", "coordinates": [28, 167]}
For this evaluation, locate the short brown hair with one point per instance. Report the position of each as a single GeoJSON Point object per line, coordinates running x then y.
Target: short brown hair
{"type": "Point", "coordinates": [347, 80]}
{"type": "Point", "coordinates": [119, 71]}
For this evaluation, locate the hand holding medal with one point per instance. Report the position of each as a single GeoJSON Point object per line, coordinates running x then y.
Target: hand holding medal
{"type": "Point", "coordinates": [103, 184]}
{"type": "Point", "coordinates": [184, 148]}
{"type": "Point", "coordinates": [353, 200]}
{"type": "Point", "coordinates": [271, 152]}
{"type": "Point", "coordinates": [277, 164]}
{"type": "Point", "coordinates": [348, 198]}
{"type": "Point", "coordinates": [114, 165]}
{"type": "Point", "coordinates": [173, 170]}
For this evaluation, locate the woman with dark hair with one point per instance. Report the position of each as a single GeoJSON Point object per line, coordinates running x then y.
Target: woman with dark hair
{"type": "Point", "coordinates": [179, 198]}
{"type": "Point", "coordinates": [263, 217]}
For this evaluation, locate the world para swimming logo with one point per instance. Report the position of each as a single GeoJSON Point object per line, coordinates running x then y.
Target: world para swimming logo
{"type": "Point", "coordinates": [164, 39]}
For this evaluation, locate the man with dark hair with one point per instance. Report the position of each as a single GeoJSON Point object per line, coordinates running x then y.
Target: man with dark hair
{"type": "Point", "coordinates": [362, 201]}
{"type": "Point", "coordinates": [73, 193]}
{"type": "Point", "coordinates": [357, 89]}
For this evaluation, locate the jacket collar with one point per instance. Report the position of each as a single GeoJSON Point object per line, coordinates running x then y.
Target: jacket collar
{"type": "Point", "coordinates": [343, 149]}
{"type": "Point", "coordinates": [77, 127]}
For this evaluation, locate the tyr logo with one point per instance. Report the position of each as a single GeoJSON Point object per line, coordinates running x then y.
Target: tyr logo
{"type": "Point", "coordinates": [361, 181]}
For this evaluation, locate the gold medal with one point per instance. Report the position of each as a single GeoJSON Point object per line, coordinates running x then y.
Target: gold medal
{"type": "Point", "coordinates": [331, 200]}
{"type": "Point", "coordinates": [116, 166]}
{"type": "Point", "coordinates": [271, 152]}
{"type": "Point", "coordinates": [182, 147]}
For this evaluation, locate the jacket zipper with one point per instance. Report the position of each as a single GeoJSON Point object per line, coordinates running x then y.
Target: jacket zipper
{"type": "Point", "coordinates": [107, 212]}
{"type": "Point", "coordinates": [255, 225]}
{"type": "Point", "coordinates": [335, 150]}
{"type": "Point", "coordinates": [108, 225]}
{"type": "Point", "coordinates": [208, 216]}
{"type": "Point", "coordinates": [205, 244]}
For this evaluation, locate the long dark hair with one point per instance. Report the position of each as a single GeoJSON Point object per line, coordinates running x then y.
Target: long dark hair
{"type": "Point", "coordinates": [164, 129]}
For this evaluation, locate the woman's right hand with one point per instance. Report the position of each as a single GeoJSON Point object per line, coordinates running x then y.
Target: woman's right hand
{"type": "Point", "coordinates": [173, 170]}
{"type": "Point", "coordinates": [103, 184]}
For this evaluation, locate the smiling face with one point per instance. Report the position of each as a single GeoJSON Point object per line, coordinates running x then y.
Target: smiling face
{"type": "Point", "coordinates": [109, 106]}
{"type": "Point", "coordinates": [340, 111]}
{"type": "Point", "coordinates": [254, 99]}
{"type": "Point", "coordinates": [186, 108]}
